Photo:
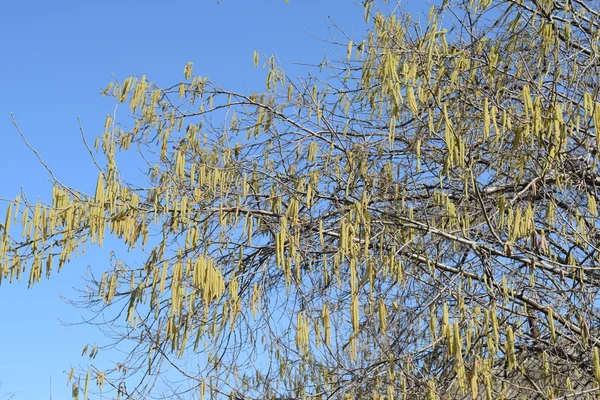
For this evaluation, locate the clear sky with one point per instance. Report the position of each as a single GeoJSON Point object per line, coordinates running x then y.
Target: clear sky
{"type": "Point", "coordinates": [57, 57]}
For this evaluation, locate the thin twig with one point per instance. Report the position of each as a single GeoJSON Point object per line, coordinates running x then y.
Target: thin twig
{"type": "Point", "coordinates": [32, 149]}
{"type": "Point", "coordinates": [86, 144]}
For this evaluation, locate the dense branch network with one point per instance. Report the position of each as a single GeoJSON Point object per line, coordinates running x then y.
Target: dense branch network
{"type": "Point", "coordinates": [421, 222]}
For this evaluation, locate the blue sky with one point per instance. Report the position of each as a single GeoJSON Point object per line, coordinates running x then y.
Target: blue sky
{"type": "Point", "coordinates": [58, 56]}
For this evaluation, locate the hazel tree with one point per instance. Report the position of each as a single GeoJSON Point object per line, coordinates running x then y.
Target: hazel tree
{"type": "Point", "coordinates": [418, 219]}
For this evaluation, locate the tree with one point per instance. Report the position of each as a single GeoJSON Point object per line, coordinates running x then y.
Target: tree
{"type": "Point", "coordinates": [418, 220]}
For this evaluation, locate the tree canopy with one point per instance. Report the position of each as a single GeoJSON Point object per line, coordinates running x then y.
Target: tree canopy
{"type": "Point", "coordinates": [417, 219]}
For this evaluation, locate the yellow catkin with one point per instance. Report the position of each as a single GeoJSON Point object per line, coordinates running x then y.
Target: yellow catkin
{"type": "Point", "coordinates": [412, 102]}
{"type": "Point", "coordinates": [392, 132]}
{"type": "Point", "coordinates": [488, 387]}
{"type": "Point", "coordinates": [510, 348]}
{"type": "Point", "coordinates": [551, 323]}
{"type": "Point", "coordinates": [432, 322]}
{"type": "Point", "coordinates": [299, 328]}
{"type": "Point", "coordinates": [473, 380]}
{"type": "Point", "coordinates": [7, 221]}
{"type": "Point", "coordinates": [597, 122]}
{"type": "Point", "coordinates": [527, 103]}
{"type": "Point", "coordinates": [326, 324]}
{"type": "Point", "coordinates": [446, 329]}
{"type": "Point", "coordinates": [354, 314]}
{"type": "Point", "coordinates": [457, 351]}
{"type": "Point", "coordinates": [596, 365]}
{"type": "Point", "coordinates": [203, 389]}
{"type": "Point", "coordinates": [86, 386]}
{"type": "Point", "coordinates": [486, 119]}
{"type": "Point", "coordinates": [187, 71]}
{"type": "Point", "coordinates": [382, 316]}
